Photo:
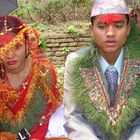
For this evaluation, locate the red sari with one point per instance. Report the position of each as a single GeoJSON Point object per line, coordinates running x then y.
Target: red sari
{"type": "Point", "coordinates": [32, 105]}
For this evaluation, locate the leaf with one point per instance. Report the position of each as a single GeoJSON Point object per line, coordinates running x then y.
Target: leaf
{"type": "Point", "coordinates": [43, 44]}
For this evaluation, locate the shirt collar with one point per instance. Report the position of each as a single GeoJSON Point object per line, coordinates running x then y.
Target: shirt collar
{"type": "Point", "coordinates": [118, 64]}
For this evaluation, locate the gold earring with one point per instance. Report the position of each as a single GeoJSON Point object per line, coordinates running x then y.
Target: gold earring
{"type": "Point", "coordinates": [2, 71]}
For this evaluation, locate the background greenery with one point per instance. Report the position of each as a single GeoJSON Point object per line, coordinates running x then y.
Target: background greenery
{"type": "Point", "coordinates": [43, 14]}
{"type": "Point", "coordinates": [54, 11]}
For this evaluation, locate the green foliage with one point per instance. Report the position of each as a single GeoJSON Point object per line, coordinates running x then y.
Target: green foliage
{"type": "Point", "coordinates": [133, 3]}
{"type": "Point", "coordinates": [72, 30]}
{"type": "Point", "coordinates": [66, 50]}
{"type": "Point", "coordinates": [21, 9]}
{"type": "Point", "coordinates": [42, 44]}
{"type": "Point", "coordinates": [55, 11]}
{"type": "Point", "coordinates": [41, 11]}
{"type": "Point", "coordinates": [49, 57]}
{"type": "Point", "coordinates": [60, 72]}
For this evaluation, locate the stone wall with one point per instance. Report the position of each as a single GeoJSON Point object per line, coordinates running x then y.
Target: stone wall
{"type": "Point", "coordinates": [60, 44]}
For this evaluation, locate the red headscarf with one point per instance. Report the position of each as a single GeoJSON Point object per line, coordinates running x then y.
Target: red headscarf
{"type": "Point", "coordinates": [12, 31]}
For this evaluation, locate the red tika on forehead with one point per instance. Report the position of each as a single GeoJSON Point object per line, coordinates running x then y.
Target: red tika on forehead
{"type": "Point", "coordinates": [6, 38]}
{"type": "Point", "coordinates": [111, 18]}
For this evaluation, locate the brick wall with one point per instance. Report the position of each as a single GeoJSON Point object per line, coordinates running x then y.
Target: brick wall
{"type": "Point", "coordinates": [60, 44]}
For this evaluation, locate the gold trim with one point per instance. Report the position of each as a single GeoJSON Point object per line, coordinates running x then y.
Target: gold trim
{"type": "Point", "coordinates": [18, 38]}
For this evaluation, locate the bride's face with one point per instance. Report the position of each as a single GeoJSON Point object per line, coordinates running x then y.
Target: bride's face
{"type": "Point", "coordinates": [15, 60]}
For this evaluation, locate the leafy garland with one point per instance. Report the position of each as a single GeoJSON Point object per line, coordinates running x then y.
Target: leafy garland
{"type": "Point", "coordinates": [130, 112]}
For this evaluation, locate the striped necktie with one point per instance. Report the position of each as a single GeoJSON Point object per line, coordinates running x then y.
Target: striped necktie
{"type": "Point", "coordinates": [111, 76]}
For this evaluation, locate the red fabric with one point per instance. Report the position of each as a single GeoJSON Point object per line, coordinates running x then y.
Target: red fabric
{"type": "Point", "coordinates": [21, 100]}
{"type": "Point", "coordinates": [40, 132]}
{"type": "Point", "coordinates": [110, 18]}
{"type": "Point", "coordinates": [54, 76]}
{"type": "Point", "coordinates": [14, 23]}
{"type": "Point", "coordinates": [54, 90]}
{"type": "Point", "coordinates": [5, 39]}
